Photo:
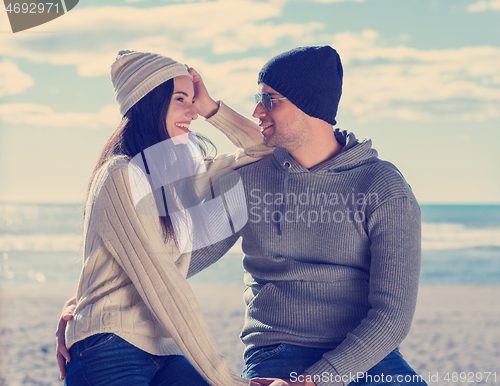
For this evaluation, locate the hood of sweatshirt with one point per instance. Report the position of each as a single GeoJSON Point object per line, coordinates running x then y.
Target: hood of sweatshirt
{"type": "Point", "coordinates": [355, 153]}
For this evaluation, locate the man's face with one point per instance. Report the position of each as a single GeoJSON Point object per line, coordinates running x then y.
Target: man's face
{"type": "Point", "coordinates": [285, 126]}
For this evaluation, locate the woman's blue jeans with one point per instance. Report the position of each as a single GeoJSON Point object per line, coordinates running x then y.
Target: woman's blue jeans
{"type": "Point", "coordinates": [287, 361]}
{"type": "Point", "coordinates": [108, 360]}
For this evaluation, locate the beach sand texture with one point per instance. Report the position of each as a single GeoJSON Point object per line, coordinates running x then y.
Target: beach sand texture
{"type": "Point", "coordinates": [455, 329]}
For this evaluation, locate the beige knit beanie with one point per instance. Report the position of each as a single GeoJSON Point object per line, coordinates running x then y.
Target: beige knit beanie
{"type": "Point", "coordinates": [134, 74]}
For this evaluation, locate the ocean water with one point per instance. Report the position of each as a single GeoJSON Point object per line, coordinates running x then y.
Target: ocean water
{"type": "Point", "coordinates": [40, 246]}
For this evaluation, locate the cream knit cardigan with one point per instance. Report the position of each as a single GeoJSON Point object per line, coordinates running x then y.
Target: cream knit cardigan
{"type": "Point", "coordinates": [133, 284]}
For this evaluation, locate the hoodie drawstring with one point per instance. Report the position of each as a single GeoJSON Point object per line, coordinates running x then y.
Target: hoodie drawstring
{"type": "Point", "coordinates": [287, 165]}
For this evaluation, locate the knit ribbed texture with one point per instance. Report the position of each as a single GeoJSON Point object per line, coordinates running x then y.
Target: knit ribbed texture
{"type": "Point", "coordinates": [310, 77]}
{"type": "Point", "coordinates": [344, 273]}
{"type": "Point", "coordinates": [134, 74]}
{"type": "Point", "coordinates": [133, 284]}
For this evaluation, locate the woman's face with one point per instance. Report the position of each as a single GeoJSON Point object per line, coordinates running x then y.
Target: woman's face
{"type": "Point", "coordinates": [181, 110]}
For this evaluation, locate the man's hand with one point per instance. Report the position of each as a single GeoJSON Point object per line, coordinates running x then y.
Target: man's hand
{"type": "Point", "coordinates": [279, 382]}
{"type": "Point", "coordinates": [62, 354]}
{"type": "Point", "coordinates": [204, 104]}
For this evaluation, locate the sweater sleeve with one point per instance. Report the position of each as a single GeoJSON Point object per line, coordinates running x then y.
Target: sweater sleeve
{"type": "Point", "coordinates": [395, 235]}
{"type": "Point", "coordinates": [246, 135]}
{"type": "Point", "coordinates": [204, 257]}
{"type": "Point", "coordinates": [241, 131]}
{"type": "Point", "coordinates": [135, 242]}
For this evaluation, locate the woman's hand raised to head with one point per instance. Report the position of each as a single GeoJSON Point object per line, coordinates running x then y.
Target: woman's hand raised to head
{"type": "Point", "coordinates": [62, 353]}
{"type": "Point", "coordinates": [204, 104]}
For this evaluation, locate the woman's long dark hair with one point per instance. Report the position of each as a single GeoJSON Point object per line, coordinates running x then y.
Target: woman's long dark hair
{"type": "Point", "coordinates": [144, 125]}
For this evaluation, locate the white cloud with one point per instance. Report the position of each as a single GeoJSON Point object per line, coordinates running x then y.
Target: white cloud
{"type": "Point", "coordinates": [397, 82]}
{"type": "Point", "coordinates": [380, 81]}
{"type": "Point", "coordinates": [410, 84]}
{"type": "Point", "coordinates": [484, 5]}
{"type": "Point", "coordinates": [44, 116]}
{"type": "Point", "coordinates": [234, 81]}
{"type": "Point", "coordinates": [223, 26]}
{"type": "Point", "coordinates": [12, 79]}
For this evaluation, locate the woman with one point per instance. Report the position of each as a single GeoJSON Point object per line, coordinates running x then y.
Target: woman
{"type": "Point", "coordinates": [136, 319]}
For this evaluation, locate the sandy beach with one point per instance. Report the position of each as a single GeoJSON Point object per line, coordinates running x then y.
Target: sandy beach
{"type": "Point", "coordinates": [456, 330]}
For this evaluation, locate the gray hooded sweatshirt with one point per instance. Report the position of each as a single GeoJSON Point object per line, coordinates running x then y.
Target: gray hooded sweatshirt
{"type": "Point", "coordinates": [331, 256]}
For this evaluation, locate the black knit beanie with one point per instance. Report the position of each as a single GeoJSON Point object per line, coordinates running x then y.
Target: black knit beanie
{"type": "Point", "coordinates": [310, 77]}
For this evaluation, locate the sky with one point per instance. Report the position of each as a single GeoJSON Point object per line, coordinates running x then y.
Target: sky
{"type": "Point", "coordinates": [421, 79]}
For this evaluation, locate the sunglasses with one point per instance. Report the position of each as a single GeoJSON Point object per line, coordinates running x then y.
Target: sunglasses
{"type": "Point", "coordinates": [266, 100]}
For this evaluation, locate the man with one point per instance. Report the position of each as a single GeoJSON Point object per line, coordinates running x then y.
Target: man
{"type": "Point", "coordinates": [332, 242]}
